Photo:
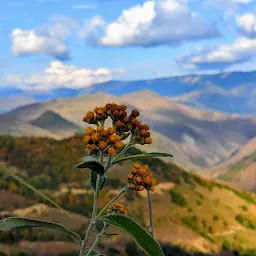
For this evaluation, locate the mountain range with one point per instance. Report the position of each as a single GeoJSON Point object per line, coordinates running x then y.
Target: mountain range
{"type": "Point", "coordinates": [198, 138]}
{"type": "Point", "coordinates": [232, 92]}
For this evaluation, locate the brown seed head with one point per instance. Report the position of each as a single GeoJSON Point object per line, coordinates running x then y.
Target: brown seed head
{"type": "Point", "coordinates": [95, 137]}
{"type": "Point", "coordinates": [138, 179]}
{"type": "Point", "coordinates": [103, 145]}
{"type": "Point", "coordinates": [119, 145]}
{"type": "Point", "coordinates": [108, 106]}
{"type": "Point", "coordinates": [130, 176]}
{"type": "Point", "coordinates": [112, 138]}
{"type": "Point", "coordinates": [90, 114]}
{"type": "Point", "coordinates": [126, 119]}
{"type": "Point", "coordinates": [111, 151]}
{"type": "Point", "coordinates": [111, 130]}
{"type": "Point", "coordinates": [135, 113]}
{"type": "Point", "coordinates": [89, 131]}
{"type": "Point", "coordinates": [148, 140]}
{"type": "Point", "coordinates": [142, 171]}
{"type": "Point", "coordinates": [100, 129]}
{"type": "Point", "coordinates": [141, 188]}
{"type": "Point", "coordinates": [134, 170]}
{"type": "Point", "coordinates": [119, 123]}
{"type": "Point", "coordinates": [87, 138]}
{"type": "Point", "coordinates": [132, 186]}
{"type": "Point", "coordinates": [147, 180]}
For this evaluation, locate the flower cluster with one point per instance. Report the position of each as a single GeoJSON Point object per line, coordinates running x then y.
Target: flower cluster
{"type": "Point", "coordinates": [124, 125]}
{"type": "Point", "coordinates": [117, 208]}
{"type": "Point", "coordinates": [102, 139]}
{"type": "Point", "coordinates": [141, 178]}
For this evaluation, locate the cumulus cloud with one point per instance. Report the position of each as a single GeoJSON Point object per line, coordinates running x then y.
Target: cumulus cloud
{"type": "Point", "coordinates": [59, 75]}
{"type": "Point", "coordinates": [159, 22]}
{"type": "Point", "coordinates": [48, 40]}
{"type": "Point", "coordinates": [240, 51]}
{"type": "Point", "coordinates": [90, 30]}
{"type": "Point", "coordinates": [247, 24]}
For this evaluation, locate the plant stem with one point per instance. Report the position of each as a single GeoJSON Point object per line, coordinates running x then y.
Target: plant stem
{"type": "Point", "coordinates": [94, 212]}
{"type": "Point", "coordinates": [97, 238]}
{"type": "Point", "coordinates": [121, 152]}
{"type": "Point", "coordinates": [122, 191]}
{"type": "Point", "coordinates": [108, 163]}
{"type": "Point", "coordinates": [150, 215]}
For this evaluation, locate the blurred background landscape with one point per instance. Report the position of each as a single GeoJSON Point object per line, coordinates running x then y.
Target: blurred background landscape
{"type": "Point", "coordinates": [189, 67]}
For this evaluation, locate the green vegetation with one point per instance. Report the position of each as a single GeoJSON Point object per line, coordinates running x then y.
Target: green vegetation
{"type": "Point", "coordinates": [193, 224]}
{"type": "Point", "coordinates": [244, 208]}
{"type": "Point", "coordinates": [178, 199]}
{"type": "Point", "coordinates": [246, 221]}
{"type": "Point", "coordinates": [215, 217]}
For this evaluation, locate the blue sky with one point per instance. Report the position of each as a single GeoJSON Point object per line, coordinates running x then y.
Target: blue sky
{"type": "Point", "coordinates": [47, 44]}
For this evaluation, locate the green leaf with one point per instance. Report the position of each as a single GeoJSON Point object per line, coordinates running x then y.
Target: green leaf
{"type": "Point", "coordinates": [144, 155]}
{"type": "Point", "coordinates": [93, 253]}
{"type": "Point", "coordinates": [142, 238]}
{"type": "Point", "coordinates": [19, 179]}
{"type": "Point", "coordinates": [93, 179]}
{"type": "Point", "coordinates": [13, 223]}
{"type": "Point", "coordinates": [91, 163]}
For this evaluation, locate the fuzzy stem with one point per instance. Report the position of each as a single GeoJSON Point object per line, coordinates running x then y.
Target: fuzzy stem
{"type": "Point", "coordinates": [121, 152]}
{"type": "Point", "coordinates": [122, 191]}
{"type": "Point", "coordinates": [150, 215]}
{"type": "Point", "coordinates": [94, 212]}
{"type": "Point", "coordinates": [108, 163]}
{"type": "Point", "coordinates": [97, 239]}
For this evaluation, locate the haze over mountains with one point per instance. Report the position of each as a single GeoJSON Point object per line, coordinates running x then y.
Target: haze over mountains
{"type": "Point", "coordinates": [197, 138]}
{"type": "Point", "coordinates": [205, 121]}
{"type": "Point", "coordinates": [233, 92]}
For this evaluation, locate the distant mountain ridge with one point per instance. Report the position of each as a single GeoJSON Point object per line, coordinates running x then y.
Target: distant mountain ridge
{"type": "Point", "coordinates": [232, 92]}
{"type": "Point", "coordinates": [198, 138]}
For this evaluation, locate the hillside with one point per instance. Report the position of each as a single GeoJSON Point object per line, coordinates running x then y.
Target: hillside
{"type": "Point", "coordinates": [54, 123]}
{"type": "Point", "coordinates": [189, 211]}
{"type": "Point", "coordinates": [238, 170]}
{"type": "Point", "coordinates": [241, 174]}
{"type": "Point", "coordinates": [16, 127]}
{"type": "Point", "coordinates": [199, 137]}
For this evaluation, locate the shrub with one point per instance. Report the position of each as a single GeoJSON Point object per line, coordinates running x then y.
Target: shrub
{"type": "Point", "coordinates": [244, 208]}
{"type": "Point", "coordinates": [178, 199]}
{"type": "Point", "coordinates": [226, 245]}
{"type": "Point", "coordinates": [192, 224]}
{"type": "Point", "coordinates": [215, 217]}
{"type": "Point", "coordinates": [246, 221]}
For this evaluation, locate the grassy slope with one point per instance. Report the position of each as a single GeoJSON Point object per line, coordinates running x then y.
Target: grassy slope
{"type": "Point", "coordinates": [197, 214]}
{"type": "Point", "coordinates": [241, 174]}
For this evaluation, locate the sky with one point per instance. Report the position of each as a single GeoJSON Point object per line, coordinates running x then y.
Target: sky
{"type": "Point", "coordinates": [49, 44]}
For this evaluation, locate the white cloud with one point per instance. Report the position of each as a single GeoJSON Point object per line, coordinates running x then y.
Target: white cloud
{"type": "Point", "coordinates": [159, 22]}
{"type": "Point", "coordinates": [247, 24]}
{"type": "Point", "coordinates": [90, 29]}
{"type": "Point", "coordinates": [84, 7]}
{"type": "Point", "coordinates": [29, 43]}
{"type": "Point", "coordinates": [59, 75]}
{"type": "Point", "coordinates": [48, 40]}
{"type": "Point", "coordinates": [224, 56]}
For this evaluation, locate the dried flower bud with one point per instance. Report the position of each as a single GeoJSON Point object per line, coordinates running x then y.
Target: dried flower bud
{"type": "Point", "coordinates": [111, 151]}
{"type": "Point", "coordinates": [135, 113]}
